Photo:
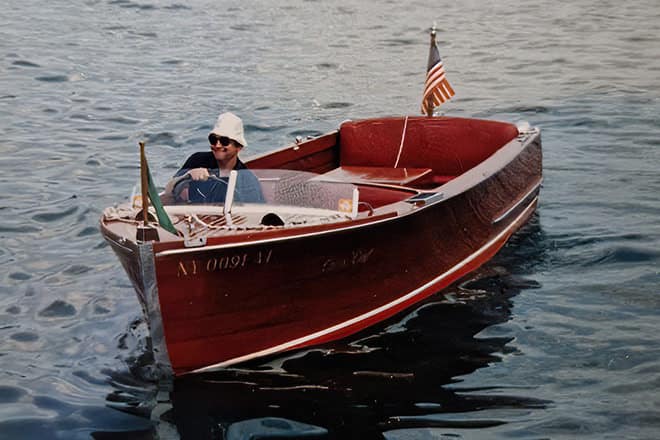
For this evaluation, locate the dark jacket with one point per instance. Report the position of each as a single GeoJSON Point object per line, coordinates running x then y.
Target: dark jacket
{"type": "Point", "coordinates": [214, 190]}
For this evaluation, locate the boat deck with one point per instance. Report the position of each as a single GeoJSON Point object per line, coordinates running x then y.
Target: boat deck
{"type": "Point", "coordinates": [385, 175]}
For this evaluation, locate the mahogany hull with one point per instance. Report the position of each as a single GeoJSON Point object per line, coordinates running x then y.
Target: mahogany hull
{"type": "Point", "coordinates": [229, 302]}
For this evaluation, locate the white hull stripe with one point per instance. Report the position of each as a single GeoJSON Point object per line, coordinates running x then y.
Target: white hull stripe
{"type": "Point", "coordinates": [412, 294]}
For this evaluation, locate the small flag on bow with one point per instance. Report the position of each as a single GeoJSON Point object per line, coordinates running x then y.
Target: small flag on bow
{"type": "Point", "coordinates": [149, 192]}
{"type": "Point", "coordinates": [436, 89]}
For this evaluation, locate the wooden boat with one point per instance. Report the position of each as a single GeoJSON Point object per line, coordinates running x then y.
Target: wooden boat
{"type": "Point", "coordinates": [369, 220]}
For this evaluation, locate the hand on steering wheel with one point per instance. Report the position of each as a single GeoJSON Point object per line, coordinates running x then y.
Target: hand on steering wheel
{"type": "Point", "coordinates": [199, 174]}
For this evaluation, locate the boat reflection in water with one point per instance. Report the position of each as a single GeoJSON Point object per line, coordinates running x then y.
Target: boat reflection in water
{"type": "Point", "coordinates": [401, 375]}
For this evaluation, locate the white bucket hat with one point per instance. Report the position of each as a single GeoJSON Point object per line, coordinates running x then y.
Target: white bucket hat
{"type": "Point", "coordinates": [230, 125]}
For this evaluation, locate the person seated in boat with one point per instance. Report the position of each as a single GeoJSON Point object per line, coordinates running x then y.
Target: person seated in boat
{"type": "Point", "coordinates": [204, 176]}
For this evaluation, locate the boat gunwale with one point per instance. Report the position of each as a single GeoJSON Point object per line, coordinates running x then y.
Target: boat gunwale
{"type": "Point", "coordinates": [296, 146]}
{"type": "Point", "coordinates": [499, 160]}
{"type": "Point", "coordinates": [296, 233]}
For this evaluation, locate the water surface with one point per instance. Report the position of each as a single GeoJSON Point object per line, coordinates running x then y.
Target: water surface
{"type": "Point", "coordinates": [555, 338]}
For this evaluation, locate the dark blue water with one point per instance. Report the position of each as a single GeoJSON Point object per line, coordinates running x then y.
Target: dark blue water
{"type": "Point", "coordinates": [556, 338]}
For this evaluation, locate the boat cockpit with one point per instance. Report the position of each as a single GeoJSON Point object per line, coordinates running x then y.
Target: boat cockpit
{"type": "Point", "coordinates": [252, 200]}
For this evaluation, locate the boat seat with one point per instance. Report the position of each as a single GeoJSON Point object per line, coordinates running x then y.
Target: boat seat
{"type": "Point", "coordinates": [449, 146]}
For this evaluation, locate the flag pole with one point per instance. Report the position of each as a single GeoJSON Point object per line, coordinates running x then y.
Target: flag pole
{"type": "Point", "coordinates": [145, 232]}
{"type": "Point", "coordinates": [144, 186]}
{"type": "Point", "coordinates": [429, 101]}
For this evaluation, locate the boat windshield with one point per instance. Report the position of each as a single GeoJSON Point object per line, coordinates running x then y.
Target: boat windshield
{"type": "Point", "coordinates": [261, 186]}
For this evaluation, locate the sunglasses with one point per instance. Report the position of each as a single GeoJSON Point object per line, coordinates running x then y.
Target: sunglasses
{"type": "Point", "coordinates": [224, 140]}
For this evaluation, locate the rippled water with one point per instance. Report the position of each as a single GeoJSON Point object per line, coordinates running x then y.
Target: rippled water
{"type": "Point", "coordinates": [556, 338]}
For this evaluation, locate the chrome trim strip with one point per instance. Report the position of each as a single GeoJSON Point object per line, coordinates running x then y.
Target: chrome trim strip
{"type": "Point", "coordinates": [426, 198]}
{"type": "Point", "coordinates": [154, 315]}
{"type": "Point", "coordinates": [518, 203]}
{"type": "Point", "coordinates": [412, 294]}
{"type": "Point", "coordinates": [119, 245]}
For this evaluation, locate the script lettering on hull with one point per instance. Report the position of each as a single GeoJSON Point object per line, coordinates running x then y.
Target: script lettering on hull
{"type": "Point", "coordinates": [356, 257]}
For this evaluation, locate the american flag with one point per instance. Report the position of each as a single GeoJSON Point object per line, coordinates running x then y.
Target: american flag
{"type": "Point", "coordinates": [436, 89]}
